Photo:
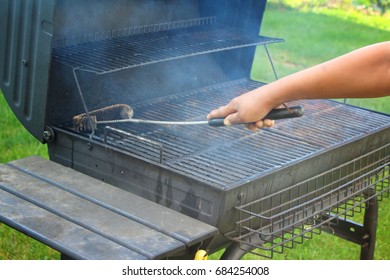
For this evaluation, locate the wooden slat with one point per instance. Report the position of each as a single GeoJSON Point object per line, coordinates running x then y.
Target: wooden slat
{"type": "Point", "coordinates": [58, 232]}
{"type": "Point", "coordinates": [143, 228]}
{"type": "Point", "coordinates": [161, 218]}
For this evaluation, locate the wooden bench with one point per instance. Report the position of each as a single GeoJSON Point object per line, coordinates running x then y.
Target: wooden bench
{"type": "Point", "coordinates": [84, 218]}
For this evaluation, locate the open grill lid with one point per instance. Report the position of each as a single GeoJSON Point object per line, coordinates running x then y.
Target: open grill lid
{"type": "Point", "coordinates": [26, 29]}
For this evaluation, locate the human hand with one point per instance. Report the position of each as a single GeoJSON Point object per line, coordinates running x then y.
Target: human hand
{"type": "Point", "coordinates": [249, 108]}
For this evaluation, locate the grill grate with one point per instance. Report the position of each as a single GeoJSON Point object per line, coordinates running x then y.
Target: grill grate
{"type": "Point", "coordinates": [332, 124]}
{"type": "Point", "coordinates": [230, 156]}
{"type": "Point", "coordinates": [105, 53]}
{"type": "Point", "coordinates": [286, 218]}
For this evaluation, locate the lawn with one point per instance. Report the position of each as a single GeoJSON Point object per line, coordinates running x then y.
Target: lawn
{"type": "Point", "coordinates": [15, 143]}
{"type": "Point", "coordinates": [311, 37]}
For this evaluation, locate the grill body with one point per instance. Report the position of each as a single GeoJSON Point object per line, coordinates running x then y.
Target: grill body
{"type": "Point", "coordinates": [189, 183]}
{"type": "Point", "coordinates": [177, 60]}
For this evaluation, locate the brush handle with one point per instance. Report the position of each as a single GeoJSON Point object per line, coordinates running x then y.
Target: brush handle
{"type": "Point", "coordinates": [274, 114]}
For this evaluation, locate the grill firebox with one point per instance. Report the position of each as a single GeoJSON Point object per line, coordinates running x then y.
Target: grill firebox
{"type": "Point", "coordinates": [230, 156]}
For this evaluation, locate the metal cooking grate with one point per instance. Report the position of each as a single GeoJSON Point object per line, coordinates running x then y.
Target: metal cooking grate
{"type": "Point", "coordinates": [229, 156]}
{"type": "Point", "coordinates": [333, 124]}
{"type": "Point", "coordinates": [137, 46]}
{"type": "Point", "coordinates": [288, 217]}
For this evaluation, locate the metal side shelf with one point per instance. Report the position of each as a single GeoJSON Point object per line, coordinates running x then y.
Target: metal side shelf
{"type": "Point", "coordinates": [85, 218]}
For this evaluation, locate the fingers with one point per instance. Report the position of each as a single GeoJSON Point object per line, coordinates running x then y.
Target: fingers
{"type": "Point", "coordinates": [260, 124]}
{"type": "Point", "coordinates": [269, 123]}
{"type": "Point", "coordinates": [243, 109]}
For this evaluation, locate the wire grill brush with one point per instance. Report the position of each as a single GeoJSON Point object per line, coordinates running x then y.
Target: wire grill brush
{"type": "Point", "coordinates": [122, 113]}
{"type": "Point", "coordinates": [114, 112]}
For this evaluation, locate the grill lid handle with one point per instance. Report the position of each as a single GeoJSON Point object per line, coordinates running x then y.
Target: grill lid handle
{"type": "Point", "coordinates": [274, 114]}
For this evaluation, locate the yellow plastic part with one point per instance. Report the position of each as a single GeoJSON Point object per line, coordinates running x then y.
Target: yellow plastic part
{"type": "Point", "coordinates": [201, 255]}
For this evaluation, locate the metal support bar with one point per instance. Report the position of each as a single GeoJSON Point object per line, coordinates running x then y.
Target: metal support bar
{"type": "Point", "coordinates": [348, 230]}
{"type": "Point", "coordinates": [363, 235]}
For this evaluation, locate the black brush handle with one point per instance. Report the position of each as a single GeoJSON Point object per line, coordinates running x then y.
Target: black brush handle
{"type": "Point", "coordinates": [274, 114]}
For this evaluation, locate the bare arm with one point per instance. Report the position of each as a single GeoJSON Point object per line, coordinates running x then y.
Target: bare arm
{"type": "Point", "coordinates": [361, 73]}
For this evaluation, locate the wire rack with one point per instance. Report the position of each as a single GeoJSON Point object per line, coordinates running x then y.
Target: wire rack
{"type": "Point", "coordinates": [107, 52]}
{"type": "Point", "coordinates": [279, 221]}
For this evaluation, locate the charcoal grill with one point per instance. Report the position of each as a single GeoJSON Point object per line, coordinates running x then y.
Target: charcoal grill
{"type": "Point", "coordinates": [176, 60]}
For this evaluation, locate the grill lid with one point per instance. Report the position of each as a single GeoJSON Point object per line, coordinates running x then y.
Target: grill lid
{"type": "Point", "coordinates": [26, 29]}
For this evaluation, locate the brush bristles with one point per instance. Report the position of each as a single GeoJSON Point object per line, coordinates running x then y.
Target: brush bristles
{"type": "Point", "coordinates": [81, 123]}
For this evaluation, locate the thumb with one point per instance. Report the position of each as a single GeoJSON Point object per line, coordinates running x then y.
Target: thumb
{"type": "Point", "coordinates": [222, 111]}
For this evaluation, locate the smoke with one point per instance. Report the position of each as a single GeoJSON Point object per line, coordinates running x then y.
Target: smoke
{"type": "Point", "coordinates": [124, 35]}
{"type": "Point", "coordinates": [95, 19]}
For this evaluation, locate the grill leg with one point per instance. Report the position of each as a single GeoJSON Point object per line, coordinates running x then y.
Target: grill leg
{"type": "Point", "coordinates": [236, 250]}
{"type": "Point", "coordinates": [370, 224]}
{"type": "Point", "coordinates": [233, 252]}
{"type": "Point", "coordinates": [65, 257]}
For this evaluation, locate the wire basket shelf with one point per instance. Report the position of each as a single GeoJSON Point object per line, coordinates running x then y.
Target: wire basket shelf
{"type": "Point", "coordinates": [281, 220]}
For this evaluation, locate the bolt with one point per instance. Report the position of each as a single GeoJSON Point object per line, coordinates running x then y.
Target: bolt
{"type": "Point", "coordinates": [366, 236]}
{"type": "Point", "coordinates": [48, 135]}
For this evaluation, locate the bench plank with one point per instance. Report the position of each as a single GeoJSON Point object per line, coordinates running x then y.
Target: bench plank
{"type": "Point", "coordinates": [45, 192]}
{"type": "Point", "coordinates": [59, 233]}
{"type": "Point", "coordinates": [161, 218]}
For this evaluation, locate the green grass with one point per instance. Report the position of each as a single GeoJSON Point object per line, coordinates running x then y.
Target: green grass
{"type": "Point", "coordinates": [364, 16]}
{"type": "Point", "coordinates": [15, 245]}
{"type": "Point", "coordinates": [311, 38]}
{"type": "Point", "coordinates": [15, 143]}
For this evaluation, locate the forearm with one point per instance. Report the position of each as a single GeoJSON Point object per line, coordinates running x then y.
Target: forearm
{"type": "Point", "coordinates": [362, 73]}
